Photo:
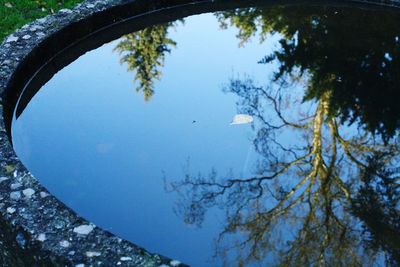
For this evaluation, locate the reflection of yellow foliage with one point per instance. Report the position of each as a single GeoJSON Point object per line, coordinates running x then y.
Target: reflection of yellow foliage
{"type": "Point", "coordinates": [305, 185]}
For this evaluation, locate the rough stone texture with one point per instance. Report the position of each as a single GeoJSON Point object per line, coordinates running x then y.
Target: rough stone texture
{"type": "Point", "coordinates": [35, 228]}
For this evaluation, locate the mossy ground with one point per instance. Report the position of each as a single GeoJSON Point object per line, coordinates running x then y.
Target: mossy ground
{"type": "Point", "coordinates": [16, 13]}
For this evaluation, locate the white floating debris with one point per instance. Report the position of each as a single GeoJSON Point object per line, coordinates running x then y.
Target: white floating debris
{"type": "Point", "coordinates": [26, 37]}
{"type": "Point", "coordinates": [83, 229]}
{"type": "Point", "coordinates": [125, 258]}
{"type": "Point", "coordinates": [92, 254]}
{"type": "Point", "coordinates": [242, 119]}
{"type": "Point", "coordinates": [41, 237]}
{"type": "Point", "coordinates": [28, 192]}
{"type": "Point", "coordinates": [11, 210]}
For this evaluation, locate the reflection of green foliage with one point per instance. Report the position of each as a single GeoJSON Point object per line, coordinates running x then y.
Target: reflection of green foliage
{"type": "Point", "coordinates": [294, 211]}
{"type": "Point", "coordinates": [250, 22]}
{"type": "Point", "coordinates": [353, 54]}
{"type": "Point", "coordinates": [304, 205]}
{"type": "Point", "coordinates": [144, 52]}
{"type": "Point", "coordinates": [358, 65]}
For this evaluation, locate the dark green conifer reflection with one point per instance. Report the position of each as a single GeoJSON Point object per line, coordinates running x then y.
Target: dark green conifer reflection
{"type": "Point", "coordinates": [331, 196]}
{"type": "Point", "coordinates": [144, 52]}
{"type": "Point", "coordinates": [350, 55]}
{"type": "Point", "coordinates": [376, 204]}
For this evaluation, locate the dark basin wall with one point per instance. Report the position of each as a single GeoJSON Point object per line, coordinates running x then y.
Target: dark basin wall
{"type": "Point", "coordinates": [35, 228]}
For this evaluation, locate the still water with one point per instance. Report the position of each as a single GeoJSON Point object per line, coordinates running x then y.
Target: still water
{"type": "Point", "coordinates": [250, 137]}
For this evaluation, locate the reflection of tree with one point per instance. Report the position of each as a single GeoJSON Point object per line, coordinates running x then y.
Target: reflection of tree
{"type": "Point", "coordinates": [355, 66]}
{"type": "Point", "coordinates": [350, 56]}
{"type": "Point", "coordinates": [306, 185]}
{"type": "Point", "coordinates": [296, 209]}
{"type": "Point", "coordinates": [144, 52]}
{"type": "Point", "coordinates": [377, 205]}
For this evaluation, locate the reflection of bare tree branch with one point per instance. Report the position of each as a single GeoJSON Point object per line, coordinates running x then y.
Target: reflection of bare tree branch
{"type": "Point", "coordinates": [314, 171]}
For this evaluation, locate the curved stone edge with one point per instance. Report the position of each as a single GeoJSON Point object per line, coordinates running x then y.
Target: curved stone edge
{"type": "Point", "coordinates": [35, 227]}
{"type": "Point", "coordinates": [38, 228]}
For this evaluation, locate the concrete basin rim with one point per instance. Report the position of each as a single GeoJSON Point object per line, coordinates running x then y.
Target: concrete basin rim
{"type": "Point", "coordinates": [21, 194]}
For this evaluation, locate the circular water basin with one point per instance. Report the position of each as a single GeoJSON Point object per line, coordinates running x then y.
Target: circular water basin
{"type": "Point", "coordinates": [249, 136]}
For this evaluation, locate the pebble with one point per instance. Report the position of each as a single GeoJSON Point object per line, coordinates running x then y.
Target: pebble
{"type": "Point", "coordinates": [59, 224]}
{"type": "Point", "coordinates": [12, 38]}
{"type": "Point", "coordinates": [15, 186]}
{"type": "Point", "coordinates": [28, 192]}
{"type": "Point", "coordinates": [91, 254]}
{"type": "Point", "coordinates": [83, 229]}
{"type": "Point", "coordinates": [15, 195]}
{"type": "Point", "coordinates": [65, 10]}
{"type": "Point", "coordinates": [41, 237]}
{"type": "Point", "coordinates": [44, 194]}
{"type": "Point", "coordinates": [35, 28]}
{"type": "Point", "coordinates": [42, 20]}
{"type": "Point", "coordinates": [11, 210]}
{"type": "Point", "coordinates": [65, 244]}
{"type": "Point", "coordinates": [175, 263]}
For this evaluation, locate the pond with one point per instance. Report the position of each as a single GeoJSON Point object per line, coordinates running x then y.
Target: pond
{"type": "Point", "coordinates": [246, 137]}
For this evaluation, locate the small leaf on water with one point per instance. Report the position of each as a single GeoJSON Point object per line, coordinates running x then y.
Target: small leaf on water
{"type": "Point", "coordinates": [242, 119]}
